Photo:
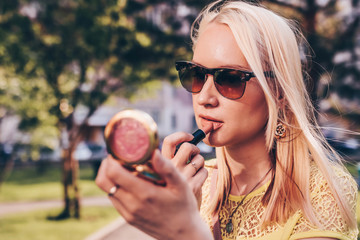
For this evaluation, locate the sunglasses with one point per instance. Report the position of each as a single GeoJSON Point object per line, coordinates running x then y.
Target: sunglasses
{"type": "Point", "coordinates": [230, 83]}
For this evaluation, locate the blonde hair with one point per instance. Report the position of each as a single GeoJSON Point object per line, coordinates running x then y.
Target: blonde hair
{"type": "Point", "coordinates": [270, 43]}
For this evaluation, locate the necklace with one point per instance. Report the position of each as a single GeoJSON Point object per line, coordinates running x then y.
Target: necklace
{"type": "Point", "coordinates": [229, 226]}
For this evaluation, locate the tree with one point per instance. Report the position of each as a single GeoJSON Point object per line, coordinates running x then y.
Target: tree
{"type": "Point", "coordinates": [332, 31]}
{"type": "Point", "coordinates": [33, 108]}
{"type": "Point", "coordinates": [82, 52]}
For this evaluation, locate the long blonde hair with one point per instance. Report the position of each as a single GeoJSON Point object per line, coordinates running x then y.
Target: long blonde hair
{"type": "Point", "coordinates": [270, 42]}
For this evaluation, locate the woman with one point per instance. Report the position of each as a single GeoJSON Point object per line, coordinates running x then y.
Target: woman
{"type": "Point", "coordinates": [274, 176]}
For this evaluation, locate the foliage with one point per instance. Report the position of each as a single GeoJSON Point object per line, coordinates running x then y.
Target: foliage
{"type": "Point", "coordinates": [332, 31]}
{"type": "Point", "coordinates": [80, 53]}
{"type": "Point", "coordinates": [31, 100]}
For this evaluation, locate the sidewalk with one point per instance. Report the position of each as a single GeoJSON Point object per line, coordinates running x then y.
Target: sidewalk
{"type": "Point", "coordinates": [9, 208]}
{"type": "Point", "coordinates": [116, 230]}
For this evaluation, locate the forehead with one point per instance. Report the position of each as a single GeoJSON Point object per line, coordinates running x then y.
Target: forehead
{"type": "Point", "coordinates": [217, 47]}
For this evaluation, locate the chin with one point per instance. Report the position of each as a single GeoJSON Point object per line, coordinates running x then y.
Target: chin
{"type": "Point", "coordinates": [212, 143]}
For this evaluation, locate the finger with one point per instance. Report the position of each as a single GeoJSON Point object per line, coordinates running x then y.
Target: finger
{"type": "Point", "coordinates": [121, 208]}
{"type": "Point", "coordinates": [101, 179]}
{"type": "Point", "coordinates": [197, 162]}
{"type": "Point", "coordinates": [104, 182]}
{"type": "Point", "coordinates": [198, 180]}
{"type": "Point", "coordinates": [124, 178]}
{"type": "Point", "coordinates": [127, 205]}
{"type": "Point", "coordinates": [167, 170]}
{"type": "Point", "coordinates": [170, 142]}
{"type": "Point", "coordinates": [184, 155]}
{"type": "Point", "coordinates": [125, 199]}
{"type": "Point", "coordinates": [134, 214]}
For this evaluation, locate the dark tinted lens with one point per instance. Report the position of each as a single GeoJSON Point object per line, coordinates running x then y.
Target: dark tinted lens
{"type": "Point", "coordinates": [192, 78]}
{"type": "Point", "coordinates": [230, 84]}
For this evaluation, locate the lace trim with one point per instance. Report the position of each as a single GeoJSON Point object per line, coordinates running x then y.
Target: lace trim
{"type": "Point", "coordinates": [247, 218]}
{"type": "Point", "coordinates": [324, 203]}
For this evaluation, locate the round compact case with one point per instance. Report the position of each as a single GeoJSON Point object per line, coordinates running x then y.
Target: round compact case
{"type": "Point", "coordinates": [131, 138]}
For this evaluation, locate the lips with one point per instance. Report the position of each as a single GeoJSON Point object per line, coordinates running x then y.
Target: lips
{"type": "Point", "coordinates": [205, 120]}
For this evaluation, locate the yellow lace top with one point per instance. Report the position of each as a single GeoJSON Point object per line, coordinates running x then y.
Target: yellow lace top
{"type": "Point", "coordinates": [247, 218]}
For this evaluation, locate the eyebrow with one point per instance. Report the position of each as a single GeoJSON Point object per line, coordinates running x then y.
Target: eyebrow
{"type": "Point", "coordinates": [236, 67]}
{"type": "Point", "coordinates": [230, 66]}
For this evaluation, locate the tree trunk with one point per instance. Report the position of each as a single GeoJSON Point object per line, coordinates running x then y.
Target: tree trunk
{"type": "Point", "coordinates": [75, 187]}
{"type": "Point", "coordinates": [70, 176]}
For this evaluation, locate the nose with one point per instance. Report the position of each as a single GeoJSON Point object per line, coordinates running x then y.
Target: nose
{"type": "Point", "coordinates": [208, 96]}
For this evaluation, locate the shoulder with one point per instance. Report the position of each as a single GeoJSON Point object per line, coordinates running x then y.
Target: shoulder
{"type": "Point", "coordinates": [325, 206]}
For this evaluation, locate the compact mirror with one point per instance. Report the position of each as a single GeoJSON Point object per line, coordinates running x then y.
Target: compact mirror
{"type": "Point", "coordinates": [131, 138]}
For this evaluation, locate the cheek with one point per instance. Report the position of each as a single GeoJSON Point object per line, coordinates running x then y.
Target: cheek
{"type": "Point", "coordinates": [249, 116]}
{"type": "Point", "coordinates": [259, 115]}
{"type": "Point", "coordinates": [257, 108]}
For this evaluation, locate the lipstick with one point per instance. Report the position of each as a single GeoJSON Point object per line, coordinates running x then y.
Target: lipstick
{"type": "Point", "coordinates": [199, 135]}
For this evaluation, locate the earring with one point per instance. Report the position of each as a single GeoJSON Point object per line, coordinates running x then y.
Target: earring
{"type": "Point", "coordinates": [280, 131]}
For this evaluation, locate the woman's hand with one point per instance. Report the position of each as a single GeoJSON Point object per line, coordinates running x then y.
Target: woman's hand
{"type": "Point", "coordinates": [164, 212]}
{"type": "Point", "coordinates": [187, 160]}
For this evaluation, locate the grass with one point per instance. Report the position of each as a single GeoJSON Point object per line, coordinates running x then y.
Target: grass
{"type": "Point", "coordinates": [352, 169]}
{"type": "Point", "coordinates": [30, 184]}
{"type": "Point", "coordinates": [34, 225]}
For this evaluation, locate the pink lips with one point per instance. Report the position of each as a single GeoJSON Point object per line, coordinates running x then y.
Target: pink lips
{"type": "Point", "coordinates": [217, 125]}
{"type": "Point", "coordinates": [207, 128]}
{"type": "Point", "coordinates": [206, 121]}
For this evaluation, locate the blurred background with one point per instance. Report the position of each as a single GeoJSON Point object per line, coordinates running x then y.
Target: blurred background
{"type": "Point", "coordinates": [67, 66]}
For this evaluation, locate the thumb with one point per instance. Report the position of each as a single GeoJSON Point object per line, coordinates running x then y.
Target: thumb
{"type": "Point", "coordinates": [166, 169]}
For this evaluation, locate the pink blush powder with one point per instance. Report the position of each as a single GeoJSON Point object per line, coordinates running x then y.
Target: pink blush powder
{"type": "Point", "coordinates": [129, 140]}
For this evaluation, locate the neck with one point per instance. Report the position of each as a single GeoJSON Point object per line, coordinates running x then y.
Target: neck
{"type": "Point", "coordinates": [248, 163]}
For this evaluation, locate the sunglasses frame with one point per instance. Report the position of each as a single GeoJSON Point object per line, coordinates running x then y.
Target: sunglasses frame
{"type": "Point", "coordinates": [212, 71]}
